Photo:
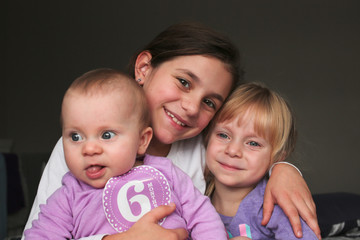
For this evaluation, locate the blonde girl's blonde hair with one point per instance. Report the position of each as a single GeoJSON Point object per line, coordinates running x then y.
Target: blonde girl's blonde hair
{"type": "Point", "coordinates": [273, 120]}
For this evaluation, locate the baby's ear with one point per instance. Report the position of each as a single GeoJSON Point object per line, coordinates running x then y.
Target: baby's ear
{"type": "Point", "coordinates": [145, 138]}
{"type": "Point", "coordinates": [142, 66]}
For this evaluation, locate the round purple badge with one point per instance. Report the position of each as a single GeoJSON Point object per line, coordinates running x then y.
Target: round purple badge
{"type": "Point", "coordinates": [128, 197]}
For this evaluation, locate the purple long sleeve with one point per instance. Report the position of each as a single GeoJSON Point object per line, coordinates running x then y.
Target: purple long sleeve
{"type": "Point", "coordinates": [75, 210]}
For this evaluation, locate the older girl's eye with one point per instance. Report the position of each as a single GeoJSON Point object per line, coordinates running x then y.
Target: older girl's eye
{"type": "Point", "coordinates": [210, 103]}
{"type": "Point", "coordinates": [76, 137]}
{"type": "Point", "coordinates": [107, 135]}
{"type": "Point", "coordinates": [184, 82]}
{"type": "Point", "coordinates": [254, 144]}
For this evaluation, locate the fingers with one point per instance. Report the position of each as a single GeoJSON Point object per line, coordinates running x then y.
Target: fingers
{"type": "Point", "coordinates": [292, 213]}
{"type": "Point", "coordinates": [309, 215]}
{"type": "Point", "coordinates": [178, 234]}
{"type": "Point", "coordinates": [288, 189]}
{"type": "Point", "coordinates": [300, 205]}
{"type": "Point", "coordinates": [313, 224]}
{"type": "Point", "coordinates": [147, 227]}
{"type": "Point", "coordinates": [306, 208]}
{"type": "Point", "coordinates": [268, 207]}
{"type": "Point", "coordinates": [160, 212]}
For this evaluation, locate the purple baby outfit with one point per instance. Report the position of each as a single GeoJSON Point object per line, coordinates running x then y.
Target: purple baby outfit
{"type": "Point", "coordinates": [76, 209]}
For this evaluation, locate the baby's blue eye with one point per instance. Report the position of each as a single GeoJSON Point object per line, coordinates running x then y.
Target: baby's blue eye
{"type": "Point", "coordinates": [108, 135]}
{"type": "Point", "coordinates": [76, 137]}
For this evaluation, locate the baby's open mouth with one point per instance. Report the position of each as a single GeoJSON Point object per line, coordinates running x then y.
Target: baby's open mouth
{"type": "Point", "coordinates": [95, 171]}
{"type": "Point", "coordinates": [94, 168]}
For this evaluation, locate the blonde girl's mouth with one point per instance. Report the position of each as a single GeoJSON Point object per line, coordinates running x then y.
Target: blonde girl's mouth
{"type": "Point", "coordinates": [177, 121]}
{"type": "Point", "coordinates": [229, 167]}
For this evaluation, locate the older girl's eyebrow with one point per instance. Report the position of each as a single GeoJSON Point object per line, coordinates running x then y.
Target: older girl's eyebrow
{"type": "Point", "coordinates": [197, 79]}
{"type": "Point", "coordinates": [190, 74]}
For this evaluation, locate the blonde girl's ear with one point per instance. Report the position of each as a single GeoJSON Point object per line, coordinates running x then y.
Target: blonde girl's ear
{"type": "Point", "coordinates": [279, 157]}
{"type": "Point", "coordinates": [142, 66]}
{"type": "Point", "coordinates": [145, 138]}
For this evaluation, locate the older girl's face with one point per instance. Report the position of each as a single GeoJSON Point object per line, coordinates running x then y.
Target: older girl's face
{"type": "Point", "coordinates": [184, 94]}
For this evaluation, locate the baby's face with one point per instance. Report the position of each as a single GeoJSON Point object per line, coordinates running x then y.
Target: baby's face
{"type": "Point", "coordinates": [100, 135]}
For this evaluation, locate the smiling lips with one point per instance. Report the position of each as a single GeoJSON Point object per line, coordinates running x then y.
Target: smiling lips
{"type": "Point", "coordinates": [95, 171]}
{"type": "Point", "coordinates": [177, 121]}
{"type": "Point", "coordinates": [229, 167]}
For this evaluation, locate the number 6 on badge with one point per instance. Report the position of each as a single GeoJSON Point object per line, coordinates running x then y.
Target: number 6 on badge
{"type": "Point", "coordinates": [128, 197]}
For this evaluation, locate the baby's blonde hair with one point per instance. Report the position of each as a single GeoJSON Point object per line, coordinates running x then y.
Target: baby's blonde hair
{"type": "Point", "coordinates": [274, 120]}
{"type": "Point", "coordinates": [105, 80]}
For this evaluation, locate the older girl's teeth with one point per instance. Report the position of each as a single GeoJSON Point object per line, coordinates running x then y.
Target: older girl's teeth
{"type": "Point", "coordinates": [175, 119]}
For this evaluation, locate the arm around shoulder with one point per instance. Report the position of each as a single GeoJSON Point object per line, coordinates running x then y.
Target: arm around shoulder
{"type": "Point", "coordinates": [280, 226]}
{"type": "Point", "coordinates": [288, 189]}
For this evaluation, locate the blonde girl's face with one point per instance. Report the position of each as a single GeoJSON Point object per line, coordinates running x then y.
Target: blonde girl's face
{"type": "Point", "coordinates": [184, 94]}
{"type": "Point", "coordinates": [236, 154]}
{"type": "Point", "coordinates": [101, 136]}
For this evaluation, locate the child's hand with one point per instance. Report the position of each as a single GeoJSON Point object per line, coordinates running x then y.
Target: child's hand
{"type": "Point", "coordinates": [147, 228]}
{"type": "Point", "coordinates": [288, 189]}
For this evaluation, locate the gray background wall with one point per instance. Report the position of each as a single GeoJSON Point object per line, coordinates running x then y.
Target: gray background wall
{"type": "Point", "coordinates": [308, 50]}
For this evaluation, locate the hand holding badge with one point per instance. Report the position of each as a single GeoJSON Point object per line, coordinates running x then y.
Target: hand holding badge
{"type": "Point", "coordinates": [128, 197]}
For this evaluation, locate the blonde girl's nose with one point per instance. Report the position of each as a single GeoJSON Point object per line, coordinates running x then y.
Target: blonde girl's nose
{"type": "Point", "coordinates": [233, 149]}
{"type": "Point", "coordinates": [91, 147]}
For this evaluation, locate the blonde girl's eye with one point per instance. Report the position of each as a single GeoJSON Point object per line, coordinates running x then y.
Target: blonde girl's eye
{"type": "Point", "coordinates": [223, 135]}
{"type": "Point", "coordinates": [254, 144]}
{"type": "Point", "coordinates": [210, 103]}
{"type": "Point", "coordinates": [184, 82]}
{"type": "Point", "coordinates": [108, 135]}
{"type": "Point", "coordinates": [76, 137]}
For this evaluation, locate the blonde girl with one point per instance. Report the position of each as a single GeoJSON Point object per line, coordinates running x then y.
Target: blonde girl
{"type": "Point", "coordinates": [254, 129]}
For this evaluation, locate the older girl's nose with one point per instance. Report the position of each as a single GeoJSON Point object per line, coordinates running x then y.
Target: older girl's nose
{"type": "Point", "coordinates": [191, 105]}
